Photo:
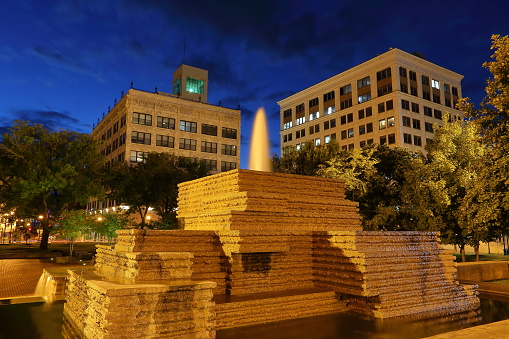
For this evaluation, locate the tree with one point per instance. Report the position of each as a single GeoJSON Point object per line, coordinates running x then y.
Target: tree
{"type": "Point", "coordinates": [74, 224]}
{"type": "Point", "coordinates": [487, 204]}
{"type": "Point", "coordinates": [48, 171]}
{"type": "Point", "coordinates": [306, 160]}
{"type": "Point", "coordinates": [436, 186]}
{"type": "Point", "coordinates": [108, 223]}
{"type": "Point", "coordinates": [152, 184]}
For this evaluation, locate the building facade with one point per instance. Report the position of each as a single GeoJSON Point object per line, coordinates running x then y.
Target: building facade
{"type": "Point", "coordinates": [182, 123]}
{"type": "Point", "coordinates": [394, 98]}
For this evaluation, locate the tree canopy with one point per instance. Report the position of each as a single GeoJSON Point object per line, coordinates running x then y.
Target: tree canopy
{"type": "Point", "coordinates": [45, 172]}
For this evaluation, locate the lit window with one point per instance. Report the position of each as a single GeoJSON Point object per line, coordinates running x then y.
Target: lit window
{"type": "Point", "coordinates": [313, 116]}
{"type": "Point", "coordinates": [297, 147]}
{"type": "Point", "coordinates": [194, 85]}
{"type": "Point", "coordinates": [364, 97]}
{"type": "Point", "coordinates": [382, 124]}
{"type": "Point", "coordinates": [390, 122]}
{"type": "Point", "coordinates": [327, 139]}
{"type": "Point", "coordinates": [300, 120]}
{"type": "Point", "coordinates": [435, 83]}
{"type": "Point", "coordinates": [317, 142]}
{"type": "Point", "coordinates": [287, 125]}
{"type": "Point", "coordinates": [330, 110]}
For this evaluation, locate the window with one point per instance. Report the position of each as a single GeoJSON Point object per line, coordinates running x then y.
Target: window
{"type": "Point", "coordinates": [428, 127]}
{"type": "Point", "coordinates": [311, 130]}
{"type": "Point", "coordinates": [384, 90]}
{"type": "Point", "coordinates": [297, 147]}
{"type": "Point", "coordinates": [121, 139]}
{"type": "Point", "coordinates": [455, 91]}
{"type": "Point", "coordinates": [435, 83]}
{"type": "Point", "coordinates": [317, 142]}
{"type": "Point", "coordinates": [302, 133]}
{"type": "Point", "coordinates": [428, 111]}
{"type": "Point", "coordinates": [362, 144]}
{"type": "Point", "coordinates": [314, 115]}
{"type": "Point", "coordinates": [447, 88]}
{"type": "Point", "coordinates": [287, 113]}
{"type": "Point", "coordinates": [405, 104]}
{"type": "Point", "coordinates": [209, 129]}
{"type": "Point", "coordinates": [360, 114]}
{"type": "Point", "coordinates": [326, 139]}
{"type": "Point", "coordinates": [210, 164]}
{"type": "Point", "coordinates": [326, 125]}
{"type": "Point", "coordinates": [369, 141]}
{"type": "Point", "coordinates": [390, 122]}
{"type": "Point", "coordinates": [402, 72]}
{"type": "Point", "coordinates": [369, 112]}
{"type": "Point", "coordinates": [413, 91]}
{"type": "Point", "coordinates": [362, 129]}
{"type": "Point", "coordinates": [188, 126]}
{"type": "Point", "coordinates": [165, 141]}
{"type": "Point", "coordinates": [140, 138]}
{"type": "Point", "coordinates": [115, 127]}
{"type": "Point", "coordinates": [163, 122]}
{"type": "Point", "coordinates": [416, 123]}
{"type": "Point", "coordinates": [137, 156]}
{"type": "Point", "coordinates": [313, 102]}
{"type": "Point", "coordinates": [436, 98]}
{"type": "Point", "coordinates": [425, 80]}
{"type": "Point", "coordinates": [332, 123]}
{"type": "Point", "coordinates": [288, 125]}
{"type": "Point", "coordinates": [350, 147]}
{"type": "Point", "coordinates": [230, 133]}
{"type": "Point", "coordinates": [299, 108]}
{"type": "Point", "coordinates": [389, 105]}
{"type": "Point", "coordinates": [426, 95]}
{"type": "Point", "coordinates": [123, 121]}
{"type": "Point", "coordinates": [345, 89]}
{"type": "Point", "coordinates": [329, 110]}
{"type": "Point", "coordinates": [328, 96]}
{"type": "Point", "coordinates": [343, 120]}
{"type": "Point", "coordinates": [381, 107]}
{"type": "Point", "coordinates": [142, 119]}
{"type": "Point", "coordinates": [333, 136]}
{"type": "Point", "coordinates": [363, 82]}
{"type": "Point", "coordinates": [404, 88]}
{"type": "Point", "coordinates": [345, 104]}
{"type": "Point", "coordinates": [350, 133]}
{"type": "Point", "coordinates": [407, 138]}
{"type": "Point", "coordinates": [349, 117]}
{"type": "Point", "coordinates": [417, 140]}
{"type": "Point", "coordinates": [177, 86]}
{"type": "Point", "coordinates": [406, 121]}
{"type": "Point", "coordinates": [383, 140]}
{"type": "Point", "coordinates": [369, 127]}
{"type": "Point", "coordinates": [415, 107]}
{"type": "Point", "coordinates": [317, 128]}
{"type": "Point", "coordinates": [209, 147]}
{"type": "Point", "coordinates": [228, 166]}
{"type": "Point", "coordinates": [364, 97]}
{"type": "Point", "coordinates": [228, 149]}
{"type": "Point", "coordinates": [194, 85]}
{"type": "Point", "coordinates": [438, 114]}
{"type": "Point", "coordinates": [109, 133]}
{"type": "Point", "coordinates": [383, 74]}
{"type": "Point", "coordinates": [297, 134]}
{"type": "Point", "coordinates": [188, 144]}
{"type": "Point", "coordinates": [448, 102]}
{"type": "Point", "coordinates": [391, 138]}
{"type": "Point", "coordinates": [343, 135]}
{"type": "Point", "coordinates": [382, 124]}
{"type": "Point", "coordinates": [300, 121]}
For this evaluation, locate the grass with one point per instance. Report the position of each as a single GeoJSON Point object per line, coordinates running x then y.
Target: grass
{"type": "Point", "coordinates": [55, 246]}
{"type": "Point", "coordinates": [482, 257]}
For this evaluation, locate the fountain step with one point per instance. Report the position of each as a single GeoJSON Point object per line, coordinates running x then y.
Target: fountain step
{"type": "Point", "coordinates": [255, 308]}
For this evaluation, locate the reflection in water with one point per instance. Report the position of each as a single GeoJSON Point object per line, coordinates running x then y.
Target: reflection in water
{"type": "Point", "coordinates": [40, 321]}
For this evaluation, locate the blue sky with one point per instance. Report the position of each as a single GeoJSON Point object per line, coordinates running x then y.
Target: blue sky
{"type": "Point", "coordinates": [62, 63]}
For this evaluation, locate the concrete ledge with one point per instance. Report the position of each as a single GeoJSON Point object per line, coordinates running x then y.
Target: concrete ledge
{"type": "Point", "coordinates": [483, 271]}
{"type": "Point", "coordinates": [499, 329]}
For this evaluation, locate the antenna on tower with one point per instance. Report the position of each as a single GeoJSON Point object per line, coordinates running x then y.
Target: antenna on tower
{"type": "Point", "coordinates": [184, 54]}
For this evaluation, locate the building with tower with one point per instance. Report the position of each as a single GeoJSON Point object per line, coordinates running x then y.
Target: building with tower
{"type": "Point", "coordinates": [394, 98]}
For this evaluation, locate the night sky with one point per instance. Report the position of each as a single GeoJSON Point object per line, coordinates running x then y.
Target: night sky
{"type": "Point", "coordinates": [62, 63]}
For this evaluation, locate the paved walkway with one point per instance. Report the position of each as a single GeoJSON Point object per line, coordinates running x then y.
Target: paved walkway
{"type": "Point", "coordinates": [19, 277]}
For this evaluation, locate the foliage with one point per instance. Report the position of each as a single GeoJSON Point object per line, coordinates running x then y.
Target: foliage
{"type": "Point", "coordinates": [152, 183]}
{"type": "Point", "coordinates": [74, 224]}
{"type": "Point", "coordinates": [44, 172]}
{"type": "Point", "coordinates": [305, 161]}
{"type": "Point", "coordinates": [487, 204]}
{"type": "Point", "coordinates": [435, 187]}
{"type": "Point", "coordinates": [110, 223]}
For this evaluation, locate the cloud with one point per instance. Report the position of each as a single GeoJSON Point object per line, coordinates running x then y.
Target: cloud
{"type": "Point", "coordinates": [51, 119]}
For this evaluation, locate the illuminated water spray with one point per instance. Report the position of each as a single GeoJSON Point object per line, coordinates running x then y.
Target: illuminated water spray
{"type": "Point", "coordinates": [259, 154]}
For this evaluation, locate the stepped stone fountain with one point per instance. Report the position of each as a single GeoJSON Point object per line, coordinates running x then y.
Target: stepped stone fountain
{"type": "Point", "coordinates": [257, 247]}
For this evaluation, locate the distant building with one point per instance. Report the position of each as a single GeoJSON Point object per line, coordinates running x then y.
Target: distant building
{"type": "Point", "coordinates": [182, 123]}
{"type": "Point", "coordinates": [394, 98]}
